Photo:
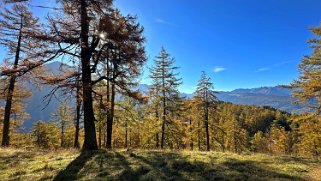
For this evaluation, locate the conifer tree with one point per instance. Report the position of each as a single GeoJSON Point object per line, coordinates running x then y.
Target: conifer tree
{"type": "Point", "coordinates": [166, 81]}
{"type": "Point", "coordinates": [206, 99]}
{"type": "Point", "coordinates": [63, 117]}
{"type": "Point", "coordinates": [307, 87]}
{"type": "Point", "coordinates": [17, 29]}
{"type": "Point", "coordinates": [107, 45]}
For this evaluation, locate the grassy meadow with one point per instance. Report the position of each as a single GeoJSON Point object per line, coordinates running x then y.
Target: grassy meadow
{"type": "Point", "coordinates": [17, 164]}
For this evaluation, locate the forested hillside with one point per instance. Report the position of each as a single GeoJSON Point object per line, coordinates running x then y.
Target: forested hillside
{"type": "Point", "coordinates": [38, 107]}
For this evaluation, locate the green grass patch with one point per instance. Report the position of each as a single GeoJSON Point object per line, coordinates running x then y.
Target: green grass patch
{"type": "Point", "coordinates": [152, 165]}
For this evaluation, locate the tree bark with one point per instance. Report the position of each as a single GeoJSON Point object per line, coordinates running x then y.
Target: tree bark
{"type": "Point", "coordinates": [90, 142]}
{"type": "Point", "coordinates": [7, 110]}
{"type": "Point", "coordinates": [78, 109]}
{"type": "Point", "coordinates": [206, 121]}
{"type": "Point", "coordinates": [164, 108]}
{"type": "Point", "coordinates": [110, 116]}
{"type": "Point", "coordinates": [156, 134]}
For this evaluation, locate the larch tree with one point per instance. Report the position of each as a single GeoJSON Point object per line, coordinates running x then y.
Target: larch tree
{"type": "Point", "coordinates": [307, 87]}
{"type": "Point", "coordinates": [154, 106]}
{"type": "Point", "coordinates": [18, 28]}
{"type": "Point", "coordinates": [206, 99]}
{"type": "Point", "coordinates": [164, 74]}
{"type": "Point", "coordinates": [108, 46]}
{"type": "Point", "coordinates": [122, 59]}
{"type": "Point", "coordinates": [76, 36]}
{"type": "Point", "coordinates": [63, 117]}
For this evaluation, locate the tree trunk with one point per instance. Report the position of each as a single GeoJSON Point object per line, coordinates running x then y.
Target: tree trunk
{"type": "Point", "coordinates": [110, 117]}
{"type": "Point", "coordinates": [78, 109]}
{"type": "Point", "coordinates": [206, 121]}
{"type": "Point", "coordinates": [7, 110]}
{"type": "Point", "coordinates": [164, 108]}
{"type": "Point", "coordinates": [90, 142]}
{"type": "Point", "coordinates": [126, 135]}
{"type": "Point", "coordinates": [191, 132]}
{"type": "Point", "coordinates": [207, 131]}
{"type": "Point", "coordinates": [62, 144]}
{"type": "Point", "coordinates": [198, 135]}
{"type": "Point", "coordinates": [156, 134]}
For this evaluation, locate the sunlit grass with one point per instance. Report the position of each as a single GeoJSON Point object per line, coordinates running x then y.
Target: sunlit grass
{"type": "Point", "coordinates": [18, 164]}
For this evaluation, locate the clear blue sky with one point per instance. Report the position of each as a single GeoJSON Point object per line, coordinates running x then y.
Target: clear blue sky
{"type": "Point", "coordinates": [239, 43]}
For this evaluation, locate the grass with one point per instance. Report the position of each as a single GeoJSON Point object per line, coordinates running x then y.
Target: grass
{"type": "Point", "coordinates": [24, 165]}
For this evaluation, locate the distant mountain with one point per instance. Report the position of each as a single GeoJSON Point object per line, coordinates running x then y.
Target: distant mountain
{"type": "Point", "coordinates": [37, 106]}
{"type": "Point", "coordinates": [276, 97]}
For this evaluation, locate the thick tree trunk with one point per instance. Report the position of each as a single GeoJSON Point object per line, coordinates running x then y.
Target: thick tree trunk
{"type": "Point", "coordinates": [7, 113]}
{"type": "Point", "coordinates": [90, 142]}
{"type": "Point", "coordinates": [7, 110]}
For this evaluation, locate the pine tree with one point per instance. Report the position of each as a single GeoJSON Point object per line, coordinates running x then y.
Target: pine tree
{"type": "Point", "coordinates": [166, 81]}
{"type": "Point", "coordinates": [206, 98]}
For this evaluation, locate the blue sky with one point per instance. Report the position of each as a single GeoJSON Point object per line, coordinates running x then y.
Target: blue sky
{"type": "Point", "coordinates": [239, 43]}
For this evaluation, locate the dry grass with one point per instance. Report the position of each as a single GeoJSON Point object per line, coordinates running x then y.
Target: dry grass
{"type": "Point", "coordinates": [24, 165]}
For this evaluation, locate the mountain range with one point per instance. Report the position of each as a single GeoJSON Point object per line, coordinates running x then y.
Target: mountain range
{"type": "Point", "coordinates": [276, 97]}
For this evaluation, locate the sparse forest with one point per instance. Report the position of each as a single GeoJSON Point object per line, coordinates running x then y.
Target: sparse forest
{"type": "Point", "coordinates": [104, 116]}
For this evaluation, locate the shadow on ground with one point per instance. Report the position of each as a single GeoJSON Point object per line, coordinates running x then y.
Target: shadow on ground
{"type": "Point", "coordinates": [72, 170]}
{"type": "Point", "coordinates": [155, 165]}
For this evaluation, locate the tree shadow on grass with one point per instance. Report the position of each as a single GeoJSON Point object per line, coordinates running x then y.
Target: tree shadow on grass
{"type": "Point", "coordinates": [169, 166]}
{"type": "Point", "coordinates": [177, 167]}
{"type": "Point", "coordinates": [72, 170]}
{"type": "Point", "coordinates": [253, 170]}
{"type": "Point", "coordinates": [128, 173]}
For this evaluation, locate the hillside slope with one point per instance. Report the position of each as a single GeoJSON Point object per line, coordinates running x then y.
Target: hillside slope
{"type": "Point", "coordinates": [152, 165]}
